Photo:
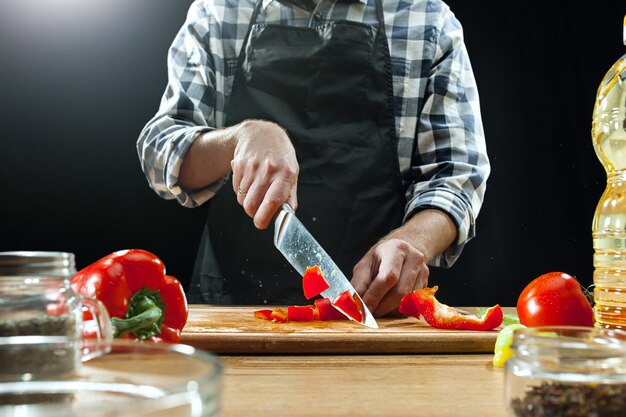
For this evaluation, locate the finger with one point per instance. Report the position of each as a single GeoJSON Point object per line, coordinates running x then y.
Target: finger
{"type": "Point", "coordinates": [386, 278]}
{"type": "Point", "coordinates": [242, 192]}
{"type": "Point", "coordinates": [256, 195]}
{"type": "Point", "coordinates": [292, 200]}
{"type": "Point", "coordinates": [414, 273]}
{"type": "Point", "coordinates": [243, 177]}
{"type": "Point", "coordinates": [276, 195]}
{"type": "Point", "coordinates": [237, 175]}
{"type": "Point", "coordinates": [422, 278]}
{"type": "Point", "coordinates": [362, 274]}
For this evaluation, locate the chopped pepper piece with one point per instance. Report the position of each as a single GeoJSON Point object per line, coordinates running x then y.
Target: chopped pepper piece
{"type": "Point", "coordinates": [350, 305]}
{"type": "Point", "coordinates": [502, 350]}
{"type": "Point", "coordinates": [423, 303]}
{"type": "Point", "coordinates": [276, 315]}
{"type": "Point", "coordinates": [279, 315]}
{"type": "Point", "coordinates": [327, 311]}
{"type": "Point", "coordinates": [313, 282]}
{"type": "Point", "coordinates": [300, 313]}
{"type": "Point", "coordinates": [263, 314]}
{"type": "Point", "coordinates": [323, 310]}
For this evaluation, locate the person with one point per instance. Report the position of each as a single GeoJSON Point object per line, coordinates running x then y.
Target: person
{"type": "Point", "coordinates": [361, 114]}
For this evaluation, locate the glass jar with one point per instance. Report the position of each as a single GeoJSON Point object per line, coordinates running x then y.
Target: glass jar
{"type": "Point", "coordinates": [567, 371]}
{"type": "Point", "coordinates": [36, 299]}
{"type": "Point", "coordinates": [131, 380]}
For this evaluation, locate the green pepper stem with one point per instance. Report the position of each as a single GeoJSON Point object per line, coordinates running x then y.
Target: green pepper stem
{"type": "Point", "coordinates": [151, 314]}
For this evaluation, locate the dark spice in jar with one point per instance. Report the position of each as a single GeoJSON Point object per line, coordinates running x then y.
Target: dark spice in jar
{"type": "Point", "coordinates": [41, 325]}
{"type": "Point", "coordinates": [40, 359]}
{"type": "Point", "coordinates": [558, 399]}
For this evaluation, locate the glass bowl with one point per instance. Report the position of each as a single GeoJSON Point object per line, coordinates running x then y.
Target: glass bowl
{"type": "Point", "coordinates": [132, 379]}
{"type": "Point", "coordinates": [566, 371]}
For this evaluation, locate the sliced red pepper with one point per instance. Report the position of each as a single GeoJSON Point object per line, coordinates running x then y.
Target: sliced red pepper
{"type": "Point", "coordinates": [350, 305]}
{"type": "Point", "coordinates": [313, 282]}
{"type": "Point", "coordinates": [279, 315]}
{"type": "Point", "coordinates": [293, 313]}
{"type": "Point", "coordinates": [423, 303]}
{"type": "Point", "coordinates": [327, 311]}
{"type": "Point", "coordinates": [263, 314]}
{"type": "Point", "coordinates": [300, 313]}
{"type": "Point", "coordinates": [140, 298]}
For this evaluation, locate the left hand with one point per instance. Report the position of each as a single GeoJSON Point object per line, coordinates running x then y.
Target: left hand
{"type": "Point", "coordinates": [388, 271]}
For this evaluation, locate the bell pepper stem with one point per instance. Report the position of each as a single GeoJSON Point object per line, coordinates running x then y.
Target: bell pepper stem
{"type": "Point", "coordinates": [144, 317]}
{"type": "Point", "coordinates": [141, 321]}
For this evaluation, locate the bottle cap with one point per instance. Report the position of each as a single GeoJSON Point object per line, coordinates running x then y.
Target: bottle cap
{"type": "Point", "coordinates": [52, 264]}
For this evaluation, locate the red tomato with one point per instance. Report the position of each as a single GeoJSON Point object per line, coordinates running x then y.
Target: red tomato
{"type": "Point", "coordinates": [554, 299]}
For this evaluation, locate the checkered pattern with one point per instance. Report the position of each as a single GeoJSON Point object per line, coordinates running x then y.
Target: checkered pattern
{"type": "Point", "coordinates": [441, 147]}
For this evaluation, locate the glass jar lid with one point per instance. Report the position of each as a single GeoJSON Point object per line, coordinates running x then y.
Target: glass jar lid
{"type": "Point", "coordinates": [37, 263]}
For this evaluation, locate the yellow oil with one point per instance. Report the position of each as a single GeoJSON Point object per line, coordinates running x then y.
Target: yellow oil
{"type": "Point", "coordinates": [609, 221]}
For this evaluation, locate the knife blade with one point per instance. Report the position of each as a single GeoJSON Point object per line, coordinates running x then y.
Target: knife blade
{"type": "Point", "coordinates": [301, 249]}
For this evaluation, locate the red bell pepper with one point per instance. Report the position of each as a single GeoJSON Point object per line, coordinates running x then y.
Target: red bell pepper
{"type": "Point", "coordinates": [423, 303]}
{"type": "Point", "coordinates": [350, 305]}
{"type": "Point", "coordinates": [263, 314]}
{"type": "Point", "coordinates": [300, 313]}
{"type": "Point", "coordinates": [326, 310]}
{"type": "Point", "coordinates": [323, 310]}
{"type": "Point", "coordinates": [278, 315]}
{"type": "Point", "coordinates": [313, 282]}
{"type": "Point", "coordinates": [141, 299]}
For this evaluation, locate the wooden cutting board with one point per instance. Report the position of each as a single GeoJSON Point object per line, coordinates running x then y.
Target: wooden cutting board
{"type": "Point", "coordinates": [235, 330]}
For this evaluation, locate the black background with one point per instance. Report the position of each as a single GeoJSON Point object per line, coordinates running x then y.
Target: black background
{"type": "Point", "coordinates": [80, 78]}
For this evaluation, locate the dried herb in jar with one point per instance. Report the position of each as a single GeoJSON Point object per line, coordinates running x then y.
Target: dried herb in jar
{"type": "Point", "coordinates": [39, 359]}
{"type": "Point", "coordinates": [557, 399]}
{"type": "Point", "coordinates": [41, 325]}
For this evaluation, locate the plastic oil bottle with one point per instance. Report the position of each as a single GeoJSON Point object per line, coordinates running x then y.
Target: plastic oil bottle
{"type": "Point", "coordinates": [609, 221]}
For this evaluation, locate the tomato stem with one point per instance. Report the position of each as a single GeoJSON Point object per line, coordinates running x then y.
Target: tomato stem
{"type": "Point", "coordinates": [588, 291]}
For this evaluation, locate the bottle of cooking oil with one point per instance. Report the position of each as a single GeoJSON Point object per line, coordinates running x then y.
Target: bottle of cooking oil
{"type": "Point", "coordinates": [609, 221]}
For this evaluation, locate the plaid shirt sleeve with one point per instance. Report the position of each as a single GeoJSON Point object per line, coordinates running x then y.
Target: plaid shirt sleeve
{"type": "Point", "coordinates": [184, 112]}
{"type": "Point", "coordinates": [449, 164]}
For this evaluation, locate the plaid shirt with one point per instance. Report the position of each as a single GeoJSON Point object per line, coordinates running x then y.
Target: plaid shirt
{"type": "Point", "coordinates": [441, 146]}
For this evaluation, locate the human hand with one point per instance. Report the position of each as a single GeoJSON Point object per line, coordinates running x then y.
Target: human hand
{"type": "Point", "coordinates": [388, 271]}
{"type": "Point", "coordinates": [265, 170]}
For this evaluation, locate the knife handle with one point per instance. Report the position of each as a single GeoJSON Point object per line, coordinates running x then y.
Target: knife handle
{"type": "Point", "coordinates": [287, 208]}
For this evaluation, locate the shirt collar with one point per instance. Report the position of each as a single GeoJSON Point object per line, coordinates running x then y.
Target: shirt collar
{"type": "Point", "coordinates": [300, 3]}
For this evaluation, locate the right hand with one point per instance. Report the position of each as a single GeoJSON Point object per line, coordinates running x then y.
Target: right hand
{"type": "Point", "coordinates": [265, 169]}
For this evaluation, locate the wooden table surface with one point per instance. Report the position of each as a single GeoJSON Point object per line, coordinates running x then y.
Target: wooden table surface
{"type": "Point", "coordinates": [361, 386]}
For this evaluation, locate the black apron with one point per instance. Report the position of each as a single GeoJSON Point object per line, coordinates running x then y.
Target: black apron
{"type": "Point", "coordinates": [330, 88]}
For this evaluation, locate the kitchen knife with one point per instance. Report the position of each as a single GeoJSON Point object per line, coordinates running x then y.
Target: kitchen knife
{"type": "Point", "coordinates": [301, 249]}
